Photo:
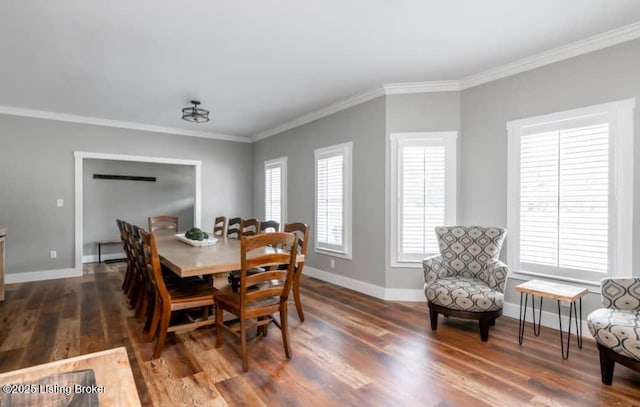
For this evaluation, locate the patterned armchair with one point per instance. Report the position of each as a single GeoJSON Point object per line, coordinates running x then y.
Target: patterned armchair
{"type": "Point", "coordinates": [616, 327]}
{"type": "Point", "coordinates": [466, 280]}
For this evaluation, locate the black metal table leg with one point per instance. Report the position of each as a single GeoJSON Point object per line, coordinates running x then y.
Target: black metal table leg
{"type": "Point", "coordinates": [99, 257]}
{"type": "Point", "coordinates": [522, 318]}
{"type": "Point", "coordinates": [578, 323]}
{"type": "Point", "coordinates": [572, 308]}
{"type": "Point", "coordinates": [536, 329]}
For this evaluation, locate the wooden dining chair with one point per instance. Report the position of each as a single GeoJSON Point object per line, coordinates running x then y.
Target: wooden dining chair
{"type": "Point", "coordinates": [269, 226]}
{"type": "Point", "coordinates": [301, 231]}
{"type": "Point", "coordinates": [220, 226]}
{"type": "Point", "coordinates": [123, 237]}
{"type": "Point", "coordinates": [233, 228]}
{"type": "Point", "coordinates": [261, 295]}
{"type": "Point", "coordinates": [172, 298]}
{"type": "Point", "coordinates": [249, 227]}
{"type": "Point", "coordinates": [163, 224]}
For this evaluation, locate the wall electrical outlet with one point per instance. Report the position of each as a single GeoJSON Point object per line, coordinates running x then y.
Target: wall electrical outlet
{"type": "Point", "coordinates": [53, 254]}
{"type": "Point", "coordinates": [59, 202]}
{"type": "Point", "coordinates": [333, 264]}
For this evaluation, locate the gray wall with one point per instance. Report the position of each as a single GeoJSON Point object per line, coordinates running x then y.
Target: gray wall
{"type": "Point", "coordinates": [173, 193]}
{"type": "Point", "coordinates": [604, 76]}
{"type": "Point", "coordinates": [424, 112]}
{"type": "Point", "coordinates": [38, 166]}
{"type": "Point", "coordinates": [365, 126]}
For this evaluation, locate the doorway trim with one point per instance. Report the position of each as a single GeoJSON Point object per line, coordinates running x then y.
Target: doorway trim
{"type": "Point", "coordinates": [80, 156]}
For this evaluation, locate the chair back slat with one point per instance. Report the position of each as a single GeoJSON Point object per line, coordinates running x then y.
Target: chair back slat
{"type": "Point", "coordinates": [163, 224]}
{"type": "Point", "coordinates": [220, 226]}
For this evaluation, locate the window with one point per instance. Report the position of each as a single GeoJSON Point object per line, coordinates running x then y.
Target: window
{"type": "Point", "coordinates": [333, 200]}
{"type": "Point", "coordinates": [423, 191]}
{"type": "Point", "coordinates": [570, 193]}
{"type": "Point", "coordinates": [275, 190]}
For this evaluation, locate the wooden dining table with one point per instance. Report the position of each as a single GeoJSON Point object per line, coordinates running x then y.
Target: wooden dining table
{"type": "Point", "coordinates": [188, 261]}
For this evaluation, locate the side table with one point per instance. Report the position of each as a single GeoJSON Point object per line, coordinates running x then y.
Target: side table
{"type": "Point", "coordinates": [559, 292]}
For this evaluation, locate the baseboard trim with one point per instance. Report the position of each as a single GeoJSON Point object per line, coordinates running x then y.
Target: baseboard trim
{"type": "Point", "coordinates": [549, 319]}
{"type": "Point", "coordinates": [346, 282]}
{"type": "Point", "coordinates": [388, 294]}
{"type": "Point", "coordinates": [93, 258]}
{"type": "Point", "coordinates": [13, 278]}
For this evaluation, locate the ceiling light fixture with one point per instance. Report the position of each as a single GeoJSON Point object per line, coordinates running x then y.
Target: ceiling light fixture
{"type": "Point", "coordinates": [195, 114]}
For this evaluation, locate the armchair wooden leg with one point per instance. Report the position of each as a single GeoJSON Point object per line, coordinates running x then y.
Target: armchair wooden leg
{"type": "Point", "coordinates": [484, 329]}
{"type": "Point", "coordinates": [434, 318]}
{"type": "Point", "coordinates": [606, 367]}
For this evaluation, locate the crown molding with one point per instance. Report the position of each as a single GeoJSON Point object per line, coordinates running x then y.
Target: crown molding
{"type": "Point", "coordinates": [323, 112]}
{"type": "Point", "coordinates": [585, 46]}
{"type": "Point", "coordinates": [421, 87]}
{"type": "Point", "coordinates": [96, 121]}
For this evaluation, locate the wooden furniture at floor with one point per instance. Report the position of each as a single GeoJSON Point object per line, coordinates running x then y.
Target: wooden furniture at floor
{"type": "Point", "coordinates": [220, 226]}
{"type": "Point", "coordinates": [3, 236]}
{"type": "Point", "coordinates": [261, 294]}
{"type": "Point", "coordinates": [173, 298]}
{"type": "Point", "coordinates": [163, 224]}
{"type": "Point", "coordinates": [560, 293]}
{"type": "Point", "coordinates": [188, 261]}
{"type": "Point", "coordinates": [101, 378]}
{"type": "Point", "coordinates": [301, 231]}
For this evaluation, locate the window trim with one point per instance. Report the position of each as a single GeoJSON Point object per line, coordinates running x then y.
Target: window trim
{"type": "Point", "coordinates": [449, 140]}
{"type": "Point", "coordinates": [620, 116]}
{"type": "Point", "coordinates": [346, 150]}
{"type": "Point", "coordinates": [282, 163]}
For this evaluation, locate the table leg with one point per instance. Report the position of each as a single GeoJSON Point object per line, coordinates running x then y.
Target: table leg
{"type": "Point", "coordinates": [536, 328]}
{"type": "Point", "coordinates": [99, 254]}
{"type": "Point", "coordinates": [578, 323]}
{"type": "Point", "coordinates": [522, 318]}
{"type": "Point", "coordinates": [562, 351]}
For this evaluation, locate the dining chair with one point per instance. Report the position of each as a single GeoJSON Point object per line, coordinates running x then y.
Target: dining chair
{"type": "Point", "coordinates": [133, 292]}
{"type": "Point", "coordinates": [220, 226]}
{"type": "Point", "coordinates": [233, 228]}
{"type": "Point", "coordinates": [163, 224]}
{"type": "Point", "coordinates": [301, 231]}
{"type": "Point", "coordinates": [172, 298]}
{"type": "Point", "coordinates": [127, 275]}
{"type": "Point", "coordinates": [261, 295]}
{"type": "Point", "coordinates": [269, 226]}
{"type": "Point", "coordinates": [249, 227]}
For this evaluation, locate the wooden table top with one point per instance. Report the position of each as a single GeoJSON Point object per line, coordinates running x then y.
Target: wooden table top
{"type": "Point", "coordinates": [187, 261]}
{"type": "Point", "coordinates": [557, 291]}
{"type": "Point", "coordinates": [3, 232]}
{"type": "Point", "coordinates": [57, 383]}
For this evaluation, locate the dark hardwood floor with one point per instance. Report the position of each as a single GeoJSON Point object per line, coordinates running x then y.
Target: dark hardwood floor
{"type": "Point", "coordinates": [352, 350]}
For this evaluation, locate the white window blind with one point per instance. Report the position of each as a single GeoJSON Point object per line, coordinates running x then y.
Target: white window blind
{"type": "Point", "coordinates": [424, 187]}
{"type": "Point", "coordinates": [570, 193]}
{"type": "Point", "coordinates": [333, 206]}
{"type": "Point", "coordinates": [564, 198]}
{"type": "Point", "coordinates": [275, 189]}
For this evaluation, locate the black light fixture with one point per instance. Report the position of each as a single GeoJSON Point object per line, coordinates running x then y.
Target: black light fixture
{"type": "Point", "coordinates": [195, 114]}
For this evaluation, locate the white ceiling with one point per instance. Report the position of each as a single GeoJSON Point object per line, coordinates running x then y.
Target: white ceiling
{"type": "Point", "coordinates": [257, 64]}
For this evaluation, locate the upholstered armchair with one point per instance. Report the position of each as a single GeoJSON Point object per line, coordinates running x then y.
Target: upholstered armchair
{"type": "Point", "coordinates": [466, 280]}
{"type": "Point", "coordinates": [616, 328]}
